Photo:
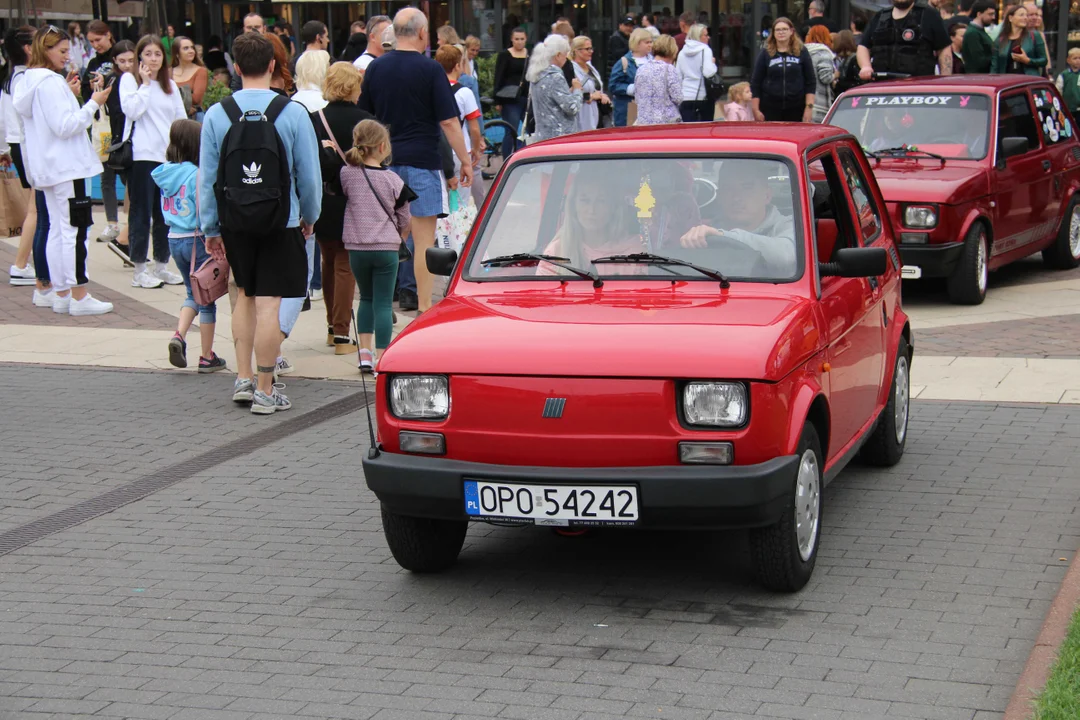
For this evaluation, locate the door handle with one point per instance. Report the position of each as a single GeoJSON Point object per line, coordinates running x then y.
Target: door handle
{"type": "Point", "coordinates": [1046, 165]}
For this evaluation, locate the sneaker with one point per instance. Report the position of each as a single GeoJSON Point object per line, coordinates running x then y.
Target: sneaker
{"type": "Point", "coordinates": [263, 404]}
{"type": "Point", "coordinates": [43, 298]}
{"type": "Point", "coordinates": [211, 364]}
{"type": "Point", "coordinates": [407, 301]}
{"type": "Point", "coordinates": [111, 232]}
{"type": "Point", "coordinates": [23, 276]}
{"type": "Point", "coordinates": [89, 305]}
{"type": "Point", "coordinates": [367, 361]}
{"type": "Point", "coordinates": [283, 367]}
{"type": "Point", "coordinates": [316, 295]}
{"type": "Point", "coordinates": [243, 390]}
{"type": "Point", "coordinates": [178, 351]}
{"type": "Point", "coordinates": [343, 345]}
{"type": "Point", "coordinates": [165, 275]}
{"type": "Point", "coordinates": [146, 280]}
{"type": "Point", "coordinates": [61, 305]}
{"type": "Point", "coordinates": [121, 251]}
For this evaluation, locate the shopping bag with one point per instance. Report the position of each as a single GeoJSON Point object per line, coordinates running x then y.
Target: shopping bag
{"type": "Point", "coordinates": [453, 230]}
{"type": "Point", "coordinates": [13, 202]}
{"type": "Point", "coordinates": [101, 134]}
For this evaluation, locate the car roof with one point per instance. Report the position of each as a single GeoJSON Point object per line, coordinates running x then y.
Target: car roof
{"type": "Point", "coordinates": [786, 139]}
{"type": "Point", "coordinates": [987, 84]}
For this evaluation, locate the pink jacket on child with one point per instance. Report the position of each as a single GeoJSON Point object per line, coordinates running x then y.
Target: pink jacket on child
{"type": "Point", "coordinates": [734, 112]}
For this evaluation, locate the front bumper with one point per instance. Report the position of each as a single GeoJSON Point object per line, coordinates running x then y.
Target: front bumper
{"type": "Point", "coordinates": [934, 260]}
{"type": "Point", "coordinates": [680, 496]}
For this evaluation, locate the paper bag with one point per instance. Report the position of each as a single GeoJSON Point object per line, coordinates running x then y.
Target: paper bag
{"type": "Point", "coordinates": [13, 202]}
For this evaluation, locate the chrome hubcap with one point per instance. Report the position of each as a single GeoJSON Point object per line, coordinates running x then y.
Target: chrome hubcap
{"type": "Point", "coordinates": [807, 504]}
{"type": "Point", "coordinates": [980, 263]}
{"type": "Point", "coordinates": [902, 399]}
{"type": "Point", "coordinates": [1074, 232]}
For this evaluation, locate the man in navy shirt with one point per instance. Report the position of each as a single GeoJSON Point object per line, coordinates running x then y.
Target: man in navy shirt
{"type": "Point", "coordinates": [407, 91]}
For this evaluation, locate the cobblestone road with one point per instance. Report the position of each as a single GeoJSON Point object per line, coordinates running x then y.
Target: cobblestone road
{"type": "Point", "coordinates": [262, 587]}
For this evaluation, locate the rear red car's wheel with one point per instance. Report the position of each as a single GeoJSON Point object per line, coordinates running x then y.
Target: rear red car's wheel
{"type": "Point", "coordinates": [784, 554]}
{"type": "Point", "coordinates": [423, 545]}
{"type": "Point", "coordinates": [1064, 254]}
{"type": "Point", "coordinates": [967, 285]}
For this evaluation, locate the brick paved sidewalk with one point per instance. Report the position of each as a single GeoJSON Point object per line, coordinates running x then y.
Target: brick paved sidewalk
{"type": "Point", "coordinates": [263, 588]}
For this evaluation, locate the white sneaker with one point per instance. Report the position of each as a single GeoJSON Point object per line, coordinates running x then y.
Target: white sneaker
{"type": "Point", "coordinates": [167, 276]}
{"type": "Point", "coordinates": [43, 299]}
{"type": "Point", "coordinates": [316, 295]}
{"type": "Point", "coordinates": [111, 232]}
{"type": "Point", "coordinates": [90, 306]}
{"type": "Point", "coordinates": [23, 276]}
{"type": "Point", "coordinates": [283, 367]}
{"type": "Point", "coordinates": [146, 280]}
{"type": "Point", "coordinates": [367, 361]}
{"type": "Point", "coordinates": [61, 305]}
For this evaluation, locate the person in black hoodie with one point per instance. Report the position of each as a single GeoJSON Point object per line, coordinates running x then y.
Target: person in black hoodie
{"type": "Point", "coordinates": [783, 81]}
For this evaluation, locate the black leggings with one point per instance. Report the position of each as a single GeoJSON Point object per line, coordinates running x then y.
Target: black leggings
{"type": "Point", "coordinates": [774, 113]}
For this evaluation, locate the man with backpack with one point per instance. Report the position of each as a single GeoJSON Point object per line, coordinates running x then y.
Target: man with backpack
{"type": "Point", "coordinates": [260, 193]}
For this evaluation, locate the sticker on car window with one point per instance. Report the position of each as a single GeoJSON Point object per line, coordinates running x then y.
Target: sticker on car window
{"type": "Point", "coordinates": [875, 100]}
{"type": "Point", "coordinates": [1056, 125]}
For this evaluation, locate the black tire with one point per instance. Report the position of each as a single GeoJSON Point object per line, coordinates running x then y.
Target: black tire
{"type": "Point", "coordinates": [967, 284]}
{"type": "Point", "coordinates": [423, 545]}
{"type": "Point", "coordinates": [1064, 254]}
{"type": "Point", "coordinates": [885, 446]}
{"type": "Point", "coordinates": [778, 563]}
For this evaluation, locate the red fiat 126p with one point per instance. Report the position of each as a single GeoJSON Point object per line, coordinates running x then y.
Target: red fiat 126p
{"type": "Point", "coordinates": [977, 170]}
{"type": "Point", "coordinates": [691, 326]}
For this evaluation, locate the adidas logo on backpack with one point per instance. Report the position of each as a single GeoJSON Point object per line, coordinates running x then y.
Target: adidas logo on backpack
{"type": "Point", "coordinates": [253, 185]}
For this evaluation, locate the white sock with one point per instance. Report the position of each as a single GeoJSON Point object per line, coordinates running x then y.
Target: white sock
{"type": "Point", "coordinates": [140, 268]}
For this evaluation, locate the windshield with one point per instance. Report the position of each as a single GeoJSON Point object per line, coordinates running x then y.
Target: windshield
{"type": "Point", "coordinates": [727, 214]}
{"type": "Point", "coordinates": [953, 126]}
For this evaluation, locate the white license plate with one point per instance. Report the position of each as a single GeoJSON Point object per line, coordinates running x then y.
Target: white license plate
{"type": "Point", "coordinates": [911, 272]}
{"type": "Point", "coordinates": [555, 505]}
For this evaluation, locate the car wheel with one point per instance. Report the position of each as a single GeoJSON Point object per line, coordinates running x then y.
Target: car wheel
{"type": "Point", "coordinates": [784, 554]}
{"type": "Point", "coordinates": [885, 446]}
{"type": "Point", "coordinates": [421, 544]}
{"type": "Point", "coordinates": [967, 285]}
{"type": "Point", "coordinates": [1064, 254]}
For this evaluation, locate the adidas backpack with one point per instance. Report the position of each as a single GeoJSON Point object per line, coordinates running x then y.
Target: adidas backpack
{"type": "Point", "coordinates": [253, 185]}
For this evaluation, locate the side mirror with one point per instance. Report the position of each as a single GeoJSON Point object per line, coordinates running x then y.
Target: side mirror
{"type": "Point", "coordinates": [1011, 146]}
{"type": "Point", "coordinates": [856, 263]}
{"type": "Point", "coordinates": [440, 261]}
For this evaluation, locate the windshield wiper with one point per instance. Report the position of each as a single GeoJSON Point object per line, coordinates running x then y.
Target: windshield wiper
{"type": "Point", "coordinates": [903, 150]}
{"type": "Point", "coordinates": [650, 259]}
{"type": "Point", "coordinates": [562, 262]}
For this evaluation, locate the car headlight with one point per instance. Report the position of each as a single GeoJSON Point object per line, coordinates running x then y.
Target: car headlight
{"type": "Point", "coordinates": [719, 404]}
{"type": "Point", "coordinates": [921, 216]}
{"type": "Point", "coordinates": [420, 397]}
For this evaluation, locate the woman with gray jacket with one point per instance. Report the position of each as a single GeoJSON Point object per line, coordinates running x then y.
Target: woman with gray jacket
{"type": "Point", "coordinates": [553, 105]}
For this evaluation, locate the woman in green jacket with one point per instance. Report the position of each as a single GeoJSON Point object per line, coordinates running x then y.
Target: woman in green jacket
{"type": "Point", "coordinates": [1017, 49]}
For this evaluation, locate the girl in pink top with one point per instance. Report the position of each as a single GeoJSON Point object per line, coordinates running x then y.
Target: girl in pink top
{"type": "Point", "coordinates": [738, 110]}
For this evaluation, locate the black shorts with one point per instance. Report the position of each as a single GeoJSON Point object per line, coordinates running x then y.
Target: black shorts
{"type": "Point", "coordinates": [16, 159]}
{"type": "Point", "coordinates": [268, 265]}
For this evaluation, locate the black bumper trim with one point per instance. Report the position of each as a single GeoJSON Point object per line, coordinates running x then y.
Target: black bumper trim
{"type": "Point", "coordinates": [670, 496]}
{"type": "Point", "coordinates": [934, 260]}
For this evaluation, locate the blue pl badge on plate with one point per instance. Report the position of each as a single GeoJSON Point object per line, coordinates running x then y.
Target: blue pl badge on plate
{"type": "Point", "coordinates": [472, 498]}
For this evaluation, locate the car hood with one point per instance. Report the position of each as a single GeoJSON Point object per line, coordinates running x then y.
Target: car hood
{"type": "Point", "coordinates": [741, 334]}
{"type": "Point", "coordinates": [927, 181]}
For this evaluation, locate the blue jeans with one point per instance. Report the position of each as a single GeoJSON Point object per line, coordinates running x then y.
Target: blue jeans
{"type": "Point", "coordinates": [406, 275]}
{"type": "Point", "coordinates": [289, 312]}
{"type": "Point", "coordinates": [41, 237]}
{"type": "Point", "coordinates": [145, 199]}
{"type": "Point", "coordinates": [512, 112]}
{"type": "Point", "coordinates": [181, 255]}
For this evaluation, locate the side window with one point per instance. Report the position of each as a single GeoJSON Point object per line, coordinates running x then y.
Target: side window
{"type": "Point", "coordinates": [866, 212]}
{"type": "Point", "coordinates": [1016, 120]}
{"type": "Point", "coordinates": [829, 207]}
{"type": "Point", "coordinates": [1054, 122]}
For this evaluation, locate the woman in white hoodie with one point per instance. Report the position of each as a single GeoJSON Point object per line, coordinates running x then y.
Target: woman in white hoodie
{"type": "Point", "coordinates": [696, 63]}
{"type": "Point", "coordinates": [151, 103]}
{"type": "Point", "coordinates": [59, 160]}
